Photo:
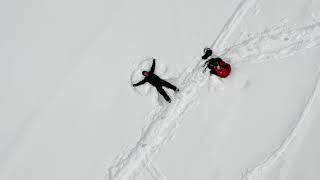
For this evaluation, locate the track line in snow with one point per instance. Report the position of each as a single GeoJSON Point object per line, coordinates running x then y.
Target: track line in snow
{"type": "Point", "coordinates": [255, 49]}
{"type": "Point", "coordinates": [283, 148]}
{"type": "Point", "coordinates": [225, 33]}
{"type": "Point", "coordinates": [274, 43]}
{"type": "Point", "coordinates": [165, 121]}
{"type": "Point", "coordinates": [155, 171]}
{"type": "Point", "coordinates": [161, 128]}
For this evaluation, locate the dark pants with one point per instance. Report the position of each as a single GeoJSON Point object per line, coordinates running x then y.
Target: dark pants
{"type": "Point", "coordinates": [163, 92]}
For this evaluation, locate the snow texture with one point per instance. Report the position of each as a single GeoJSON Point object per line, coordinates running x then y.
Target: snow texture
{"type": "Point", "coordinates": [283, 148]}
{"type": "Point", "coordinates": [67, 104]}
{"type": "Point", "coordinates": [165, 120]}
{"type": "Point", "coordinates": [242, 9]}
{"type": "Point", "coordinates": [163, 123]}
{"type": "Point", "coordinates": [273, 43]}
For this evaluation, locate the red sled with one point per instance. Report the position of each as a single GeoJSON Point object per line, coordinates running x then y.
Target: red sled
{"type": "Point", "coordinates": [223, 70]}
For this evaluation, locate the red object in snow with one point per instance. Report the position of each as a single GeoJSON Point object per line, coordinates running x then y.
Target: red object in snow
{"type": "Point", "coordinates": [223, 70]}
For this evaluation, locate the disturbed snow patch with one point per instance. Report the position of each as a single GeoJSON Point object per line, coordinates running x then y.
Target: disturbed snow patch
{"type": "Point", "coordinates": [164, 120]}
{"type": "Point", "coordinates": [137, 76]}
{"type": "Point", "coordinates": [273, 43]}
{"type": "Point", "coordinates": [275, 156]}
{"type": "Point", "coordinates": [163, 72]}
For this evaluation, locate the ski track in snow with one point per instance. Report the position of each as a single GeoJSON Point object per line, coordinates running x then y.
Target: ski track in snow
{"type": "Point", "coordinates": [164, 121]}
{"type": "Point", "coordinates": [277, 154]}
{"type": "Point", "coordinates": [274, 43]}
{"type": "Point", "coordinates": [241, 10]}
{"type": "Point", "coordinates": [154, 171]}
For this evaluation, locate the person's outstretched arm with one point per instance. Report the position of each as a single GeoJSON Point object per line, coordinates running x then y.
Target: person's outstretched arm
{"type": "Point", "coordinates": [153, 66]}
{"type": "Point", "coordinates": [139, 83]}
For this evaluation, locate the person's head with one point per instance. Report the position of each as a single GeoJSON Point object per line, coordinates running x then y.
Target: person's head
{"type": "Point", "coordinates": [145, 73]}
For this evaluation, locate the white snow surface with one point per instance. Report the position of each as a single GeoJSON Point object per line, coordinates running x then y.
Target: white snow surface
{"type": "Point", "coordinates": [68, 108]}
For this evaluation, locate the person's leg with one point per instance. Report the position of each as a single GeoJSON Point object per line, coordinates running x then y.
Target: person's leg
{"type": "Point", "coordinates": [164, 94]}
{"type": "Point", "coordinates": [169, 85]}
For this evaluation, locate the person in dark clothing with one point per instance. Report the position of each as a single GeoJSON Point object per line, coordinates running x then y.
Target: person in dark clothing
{"type": "Point", "coordinates": [157, 82]}
{"type": "Point", "coordinates": [207, 53]}
{"type": "Point", "coordinates": [216, 65]}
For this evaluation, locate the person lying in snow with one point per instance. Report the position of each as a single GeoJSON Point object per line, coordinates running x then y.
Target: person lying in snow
{"type": "Point", "coordinates": [157, 82]}
{"type": "Point", "coordinates": [216, 65]}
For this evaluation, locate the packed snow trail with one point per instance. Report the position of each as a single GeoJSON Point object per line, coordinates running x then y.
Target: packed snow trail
{"type": "Point", "coordinates": [154, 171]}
{"type": "Point", "coordinates": [241, 10]}
{"type": "Point", "coordinates": [162, 126]}
{"type": "Point", "coordinates": [274, 43]}
{"type": "Point", "coordinates": [164, 121]}
{"type": "Point", "coordinates": [277, 154]}
{"type": "Point", "coordinates": [256, 49]}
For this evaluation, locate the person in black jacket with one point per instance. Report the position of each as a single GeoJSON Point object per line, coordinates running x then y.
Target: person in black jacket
{"type": "Point", "coordinates": [216, 65]}
{"type": "Point", "coordinates": [157, 82]}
